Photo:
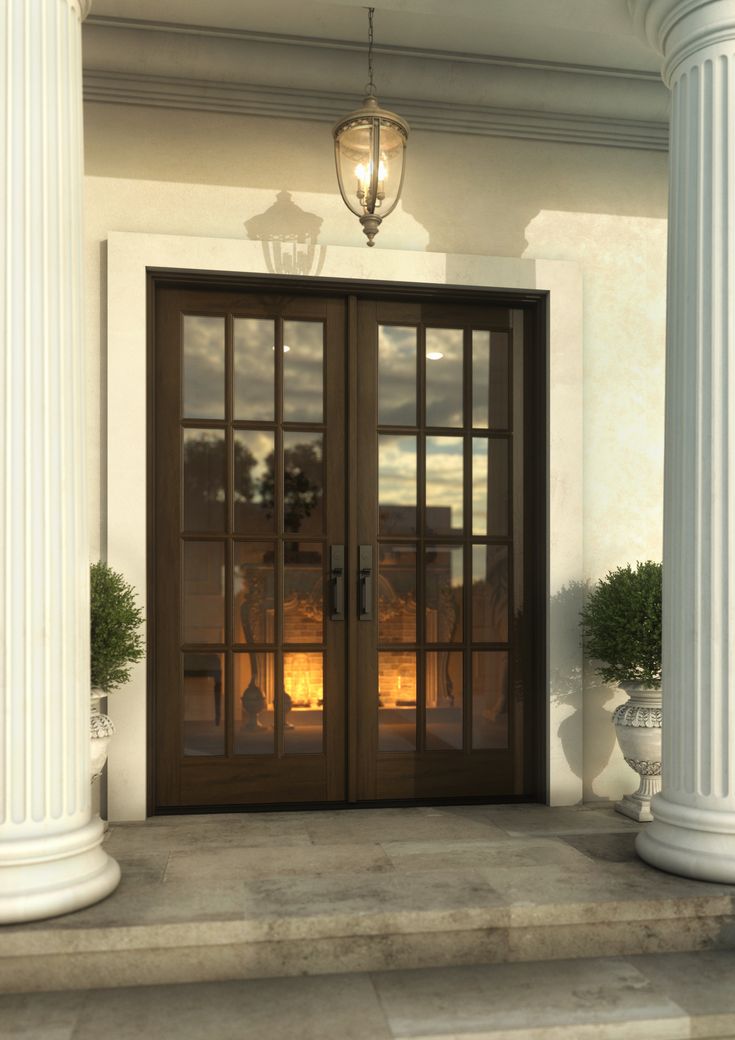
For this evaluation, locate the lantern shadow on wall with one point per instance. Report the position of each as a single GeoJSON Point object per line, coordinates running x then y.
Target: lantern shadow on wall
{"type": "Point", "coordinates": [288, 236]}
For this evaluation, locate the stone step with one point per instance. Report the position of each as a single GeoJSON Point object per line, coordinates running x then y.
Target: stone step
{"type": "Point", "coordinates": [657, 997]}
{"type": "Point", "coordinates": [249, 896]}
{"type": "Point", "coordinates": [297, 925]}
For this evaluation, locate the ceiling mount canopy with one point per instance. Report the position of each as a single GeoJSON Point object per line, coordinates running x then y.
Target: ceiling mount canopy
{"type": "Point", "coordinates": [369, 149]}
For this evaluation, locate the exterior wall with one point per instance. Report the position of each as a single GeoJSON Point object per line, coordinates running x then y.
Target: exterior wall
{"type": "Point", "coordinates": [208, 174]}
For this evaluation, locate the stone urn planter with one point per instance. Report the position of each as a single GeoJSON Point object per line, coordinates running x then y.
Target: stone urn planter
{"type": "Point", "coordinates": [621, 625]}
{"type": "Point", "coordinates": [101, 729]}
{"type": "Point", "coordinates": [638, 728]}
{"type": "Point", "coordinates": [116, 643]}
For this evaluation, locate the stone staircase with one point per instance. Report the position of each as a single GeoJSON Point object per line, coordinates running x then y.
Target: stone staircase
{"type": "Point", "coordinates": [516, 921]}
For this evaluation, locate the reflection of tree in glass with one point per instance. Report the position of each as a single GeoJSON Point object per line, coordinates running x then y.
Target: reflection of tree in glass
{"type": "Point", "coordinates": [302, 470]}
{"type": "Point", "coordinates": [204, 468]}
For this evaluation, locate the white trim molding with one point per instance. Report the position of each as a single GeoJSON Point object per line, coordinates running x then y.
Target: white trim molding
{"type": "Point", "coordinates": [130, 255]}
{"type": "Point", "coordinates": [136, 62]}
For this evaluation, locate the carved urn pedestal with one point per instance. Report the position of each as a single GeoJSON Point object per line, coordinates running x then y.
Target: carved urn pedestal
{"type": "Point", "coordinates": [638, 727]}
{"type": "Point", "coordinates": [101, 729]}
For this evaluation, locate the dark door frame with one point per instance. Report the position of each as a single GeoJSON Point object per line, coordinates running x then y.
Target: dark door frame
{"type": "Point", "coordinates": [534, 303]}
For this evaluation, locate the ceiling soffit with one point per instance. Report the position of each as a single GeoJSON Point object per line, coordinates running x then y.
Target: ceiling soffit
{"type": "Point", "coordinates": [264, 73]}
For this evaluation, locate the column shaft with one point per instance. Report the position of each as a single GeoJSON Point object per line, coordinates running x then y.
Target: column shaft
{"type": "Point", "coordinates": [693, 832]}
{"type": "Point", "coordinates": [51, 858]}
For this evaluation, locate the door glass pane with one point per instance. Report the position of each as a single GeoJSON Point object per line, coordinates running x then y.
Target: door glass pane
{"type": "Point", "coordinates": [204, 482]}
{"type": "Point", "coordinates": [253, 690]}
{"type": "Point", "coordinates": [204, 367]}
{"type": "Point", "coordinates": [253, 590]}
{"type": "Point", "coordinates": [490, 486]}
{"type": "Point", "coordinates": [254, 369]}
{"type": "Point", "coordinates": [490, 379]}
{"type": "Point", "coordinates": [489, 593]}
{"type": "Point", "coordinates": [303, 482]}
{"type": "Point", "coordinates": [303, 698]}
{"type": "Point", "coordinates": [204, 592]}
{"type": "Point", "coordinates": [444, 374]}
{"type": "Point", "coordinates": [396, 700]}
{"type": "Point", "coordinates": [397, 353]}
{"type": "Point", "coordinates": [444, 700]}
{"type": "Point", "coordinates": [254, 482]}
{"type": "Point", "coordinates": [490, 699]}
{"type": "Point", "coordinates": [397, 484]}
{"type": "Point", "coordinates": [443, 593]}
{"type": "Point", "coordinates": [444, 485]}
{"type": "Point", "coordinates": [303, 371]}
{"type": "Point", "coordinates": [397, 594]}
{"type": "Point", "coordinates": [303, 593]}
{"type": "Point", "coordinates": [203, 721]}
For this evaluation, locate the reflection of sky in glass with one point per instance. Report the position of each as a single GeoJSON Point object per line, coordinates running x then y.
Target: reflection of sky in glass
{"type": "Point", "coordinates": [303, 371]}
{"type": "Point", "coordinates": [479, 485]}
{"type": "Point", "coordinates": [444, 377]}
{"type": "Point", "coordinates": [254, 358]}
{"type": "Point", "coordinates": [204, 367]}
{"type": "Point", "coordinates": [397, 470]}
{"type": "Point", "coordinates": [444, 481]}
{"type": "Point", "coordinates": [396, 375]}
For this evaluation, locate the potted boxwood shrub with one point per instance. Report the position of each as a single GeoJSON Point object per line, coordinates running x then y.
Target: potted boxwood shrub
{"type": "Point", "coordinates": [621, 624]}
{"type": "Point", "coordinates": [116, 642]}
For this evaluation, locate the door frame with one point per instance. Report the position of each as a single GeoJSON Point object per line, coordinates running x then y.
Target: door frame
{"type": "Point", "coordinates": [534, 303]}
{"type": "Point", "coordinates": [116, 320]}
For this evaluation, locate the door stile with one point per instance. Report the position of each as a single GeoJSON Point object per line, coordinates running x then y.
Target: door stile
{"type": "Point", "coordinates": [367, 524]}
{"type": "Point", "coordinates": [351, 623]}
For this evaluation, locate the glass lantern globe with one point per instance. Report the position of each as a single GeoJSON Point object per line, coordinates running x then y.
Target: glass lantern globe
{"type": "Point", "coordinates": [369, 149]}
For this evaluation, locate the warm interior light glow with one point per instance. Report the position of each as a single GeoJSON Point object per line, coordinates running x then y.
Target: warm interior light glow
{"type": "Point", "coordinates": [302, 680]}
{"type": "Point", "coordinates": [434, 355]}
{"type": "Point", "coordinates": [285, 349]}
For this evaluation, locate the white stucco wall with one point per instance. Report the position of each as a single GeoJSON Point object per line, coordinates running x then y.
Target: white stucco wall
{"type": "Point", "coordinates": [203, 174]}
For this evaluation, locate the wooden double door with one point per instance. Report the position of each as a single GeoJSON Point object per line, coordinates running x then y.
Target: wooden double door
{"type": "Point", "coordinates": [341, 538]}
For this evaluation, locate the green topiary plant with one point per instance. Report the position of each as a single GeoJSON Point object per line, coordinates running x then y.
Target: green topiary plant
{"type": "Point", "coordinates": [621, 624]}
{"type": "Point", "coordinates": [116, 640]}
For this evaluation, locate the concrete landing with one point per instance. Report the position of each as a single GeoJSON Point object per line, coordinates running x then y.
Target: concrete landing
{"type": "Point", "coordinates": [251, 896]}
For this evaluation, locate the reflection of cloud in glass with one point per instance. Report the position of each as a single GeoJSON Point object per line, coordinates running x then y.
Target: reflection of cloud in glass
{"type": "Point", "coordinates": [396, 375]}
{"type": "Point", "coordinates": [204, 367]}
{"type": "Point", "coordinates": [303, 371]}
{"type": "Point", "coordinates": [397, 470]}
{"type": "Point", "coordinates": [255, 447]}
{"type": "Point", "coordinates": [444, 377]}
{"type": "Point", "coordinates": [444, 483]}
{"type": "Point", "coordinates": [254, 359]}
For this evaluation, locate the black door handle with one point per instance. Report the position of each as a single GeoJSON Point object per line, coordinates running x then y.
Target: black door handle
{"type": "Point", "coordinates": [337, 582]}
{"type": "Point", "coordinates": [365, 583]}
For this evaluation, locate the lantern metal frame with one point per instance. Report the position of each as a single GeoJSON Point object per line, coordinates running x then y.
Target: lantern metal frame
{"type": "Point", "coordinates": [371, 117]}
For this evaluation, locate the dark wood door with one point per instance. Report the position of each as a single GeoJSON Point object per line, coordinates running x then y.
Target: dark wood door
{"type": "Point", "coordinates": [249, 488]}
{"type": "Point", "coordinates": [441, 492]}
{"type": "Point", "coordinates": [288, 427]}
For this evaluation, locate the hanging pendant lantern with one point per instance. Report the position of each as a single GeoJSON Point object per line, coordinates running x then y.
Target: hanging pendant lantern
{"type": "Point", "coordinates": [369, 149]}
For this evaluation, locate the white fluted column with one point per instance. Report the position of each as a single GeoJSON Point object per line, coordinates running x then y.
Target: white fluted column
{"type": "Point", "coordinates": [51, 858]}
{"type": "Point", "coordinates": [693, 832]}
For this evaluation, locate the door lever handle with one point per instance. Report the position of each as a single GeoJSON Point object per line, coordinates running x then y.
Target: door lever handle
{"type": "Point", "coordinates": [365, 583]}
{"type": "Point", "coordinates": [337, 582]}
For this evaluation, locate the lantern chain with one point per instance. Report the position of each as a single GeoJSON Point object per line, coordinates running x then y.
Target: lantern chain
{"type": "Point", "coordinates": [370, 88]}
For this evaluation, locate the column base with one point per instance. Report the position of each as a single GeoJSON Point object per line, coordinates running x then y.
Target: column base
{"type": "Point", "coordinates": [50, 875]}
{"type": "Point", "coordinates": [695, 843]}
